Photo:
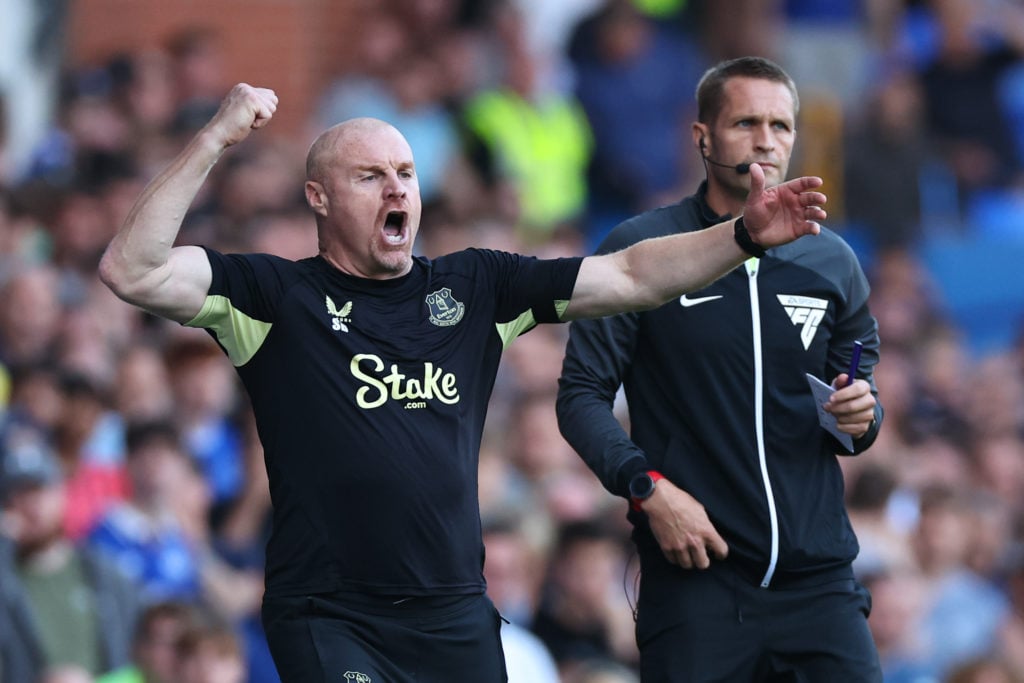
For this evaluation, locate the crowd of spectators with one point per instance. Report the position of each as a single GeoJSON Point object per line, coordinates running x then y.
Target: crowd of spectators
{"type": "Point", "coordinates": [134, 500]}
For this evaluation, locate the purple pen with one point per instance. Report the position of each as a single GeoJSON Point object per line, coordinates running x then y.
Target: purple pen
{"type": "Point", "coordinates": [854, 362]}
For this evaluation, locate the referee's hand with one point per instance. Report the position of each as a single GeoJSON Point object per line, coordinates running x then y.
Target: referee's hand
{"type": "Point", "coordinates": [682, 528]}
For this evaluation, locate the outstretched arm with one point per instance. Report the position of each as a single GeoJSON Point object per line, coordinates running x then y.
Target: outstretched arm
{"type": "Point", "coordinates": [651, 272]}
{"type": "Point", "coordinates": [140, 264]}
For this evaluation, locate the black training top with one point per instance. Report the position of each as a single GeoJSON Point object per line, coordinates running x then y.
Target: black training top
{"type": "Point", "coordinates": [370, 398]}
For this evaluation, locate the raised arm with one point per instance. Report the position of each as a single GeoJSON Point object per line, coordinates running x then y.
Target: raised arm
{"type": "Point", "coordinates": [651, 272]}
{"type": "Point", "coordinates": [140, 264]}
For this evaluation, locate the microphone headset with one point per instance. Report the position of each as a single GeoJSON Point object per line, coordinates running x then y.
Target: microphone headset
{"type": "Point", "coordinates": [742, 169]}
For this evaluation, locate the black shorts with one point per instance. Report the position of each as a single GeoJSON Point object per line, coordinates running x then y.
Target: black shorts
{"type": "Point", "coordinates": [345, 638]}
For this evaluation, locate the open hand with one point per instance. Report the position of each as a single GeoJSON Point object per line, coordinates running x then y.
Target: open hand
{"type": "Point", "coordinates": [780, 214]}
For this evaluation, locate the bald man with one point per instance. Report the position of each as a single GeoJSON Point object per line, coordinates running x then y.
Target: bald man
{"type": "Point", "coordinates": [370, 371]}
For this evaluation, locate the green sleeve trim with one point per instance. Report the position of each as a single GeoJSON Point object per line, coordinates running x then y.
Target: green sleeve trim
{"type": "Point", "coordinates": [240, 335]}
{"type": "Point", "coordinates": [512, 329]}
{"type": "Point", "coordinates": [560, 307]}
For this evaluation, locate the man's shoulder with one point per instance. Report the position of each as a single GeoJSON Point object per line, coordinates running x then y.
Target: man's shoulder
{"type": "Point", "coordinates": [683, 216]}
{"type": "Point", "coordinates": [261, 260]}
{"type": "Point", "coordinates": [453, 259]}
{"type": "Point", "coordinates": [828, 255]}
{"type": "Point", "coordinates": [464, 263]}
{"type": "Point", "coordinates": [474, 261]}
{"type": "Point", "coordinates": [265, 272]}
{"type": "Point", "coordinates": [828, 242]}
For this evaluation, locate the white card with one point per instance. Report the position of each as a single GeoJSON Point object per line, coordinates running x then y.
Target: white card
{"type": "Point", "coordinates": [822, 392]}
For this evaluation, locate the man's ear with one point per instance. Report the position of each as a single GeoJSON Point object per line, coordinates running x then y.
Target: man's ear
{"type": "Point", "coordinates": [699, 134]}
{"type": "Point", "coordinates": [316, 197]}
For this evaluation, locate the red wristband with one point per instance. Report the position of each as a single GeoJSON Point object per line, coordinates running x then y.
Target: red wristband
{"type": "Point", "coordinates": [641, 487]}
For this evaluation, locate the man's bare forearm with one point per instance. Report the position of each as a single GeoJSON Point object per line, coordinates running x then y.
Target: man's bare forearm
{"type": "Point", "coordinates": [666, 267]}
{"type": "Point", "coordinates": [141, 264]}
{"type": "Point", "coordinates": [649, 273]}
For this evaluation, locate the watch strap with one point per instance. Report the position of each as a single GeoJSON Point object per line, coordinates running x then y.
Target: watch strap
{"type": "Point", "coordinates": [655, 476]}
{"type": "Point", "coordinates": [742, 236]}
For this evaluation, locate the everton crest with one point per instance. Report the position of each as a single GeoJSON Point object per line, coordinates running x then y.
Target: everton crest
{"type": "Point", "coordinates": [445, 311]}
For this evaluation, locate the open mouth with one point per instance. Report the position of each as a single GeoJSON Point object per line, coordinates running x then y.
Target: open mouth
{"type": "Point", "coordinates": [394, 226]}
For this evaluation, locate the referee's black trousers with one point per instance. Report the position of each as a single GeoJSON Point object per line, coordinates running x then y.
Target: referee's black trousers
{"type": "Point", "coordinates": [699, 626]}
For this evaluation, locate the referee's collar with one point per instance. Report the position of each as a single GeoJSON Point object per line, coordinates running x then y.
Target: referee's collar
{"type": "Point", "coordinates": [707, 215]}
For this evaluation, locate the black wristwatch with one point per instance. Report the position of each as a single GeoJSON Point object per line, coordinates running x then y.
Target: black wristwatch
{"type": "Point", "coordinates": [641, 487]}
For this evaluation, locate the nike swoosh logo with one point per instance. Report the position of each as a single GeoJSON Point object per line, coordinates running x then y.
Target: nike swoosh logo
{"type": "Point", "coordinates": [686, 302]}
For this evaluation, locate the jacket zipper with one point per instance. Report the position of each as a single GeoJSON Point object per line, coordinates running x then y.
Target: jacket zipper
{"type": "Point", "coordinates": [755, 311]}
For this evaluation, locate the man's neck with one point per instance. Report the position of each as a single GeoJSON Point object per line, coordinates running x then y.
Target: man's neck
{"type": "Point", "coordinates": [723, 202]}
{"type": "Point", "coordinates": [350, 268]}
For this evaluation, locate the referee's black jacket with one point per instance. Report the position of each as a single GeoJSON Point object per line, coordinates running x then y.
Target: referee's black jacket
{"type": "Point", "coordinates": [719, 400]}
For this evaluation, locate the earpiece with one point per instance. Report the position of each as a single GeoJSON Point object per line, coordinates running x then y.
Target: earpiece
{"type": "Point", "coordinates": [739, 168]}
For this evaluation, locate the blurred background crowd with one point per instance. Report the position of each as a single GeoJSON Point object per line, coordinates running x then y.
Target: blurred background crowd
{"type": "Point", "coordinates": [134, 501]}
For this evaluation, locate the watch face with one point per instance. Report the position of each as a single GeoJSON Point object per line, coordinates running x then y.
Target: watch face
{"type": "Point", "coordinates": [641, 486]}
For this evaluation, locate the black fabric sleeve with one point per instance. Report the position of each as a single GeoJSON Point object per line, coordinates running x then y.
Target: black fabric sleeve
{"type": "Point", "coordinates": [856, 323]}
{"type": "Point", "coordinates": [597, 356]}
{"type": "Point", "coordinates": [253, 283]}
{"type": "Point", "coordinates": [529, 283]}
